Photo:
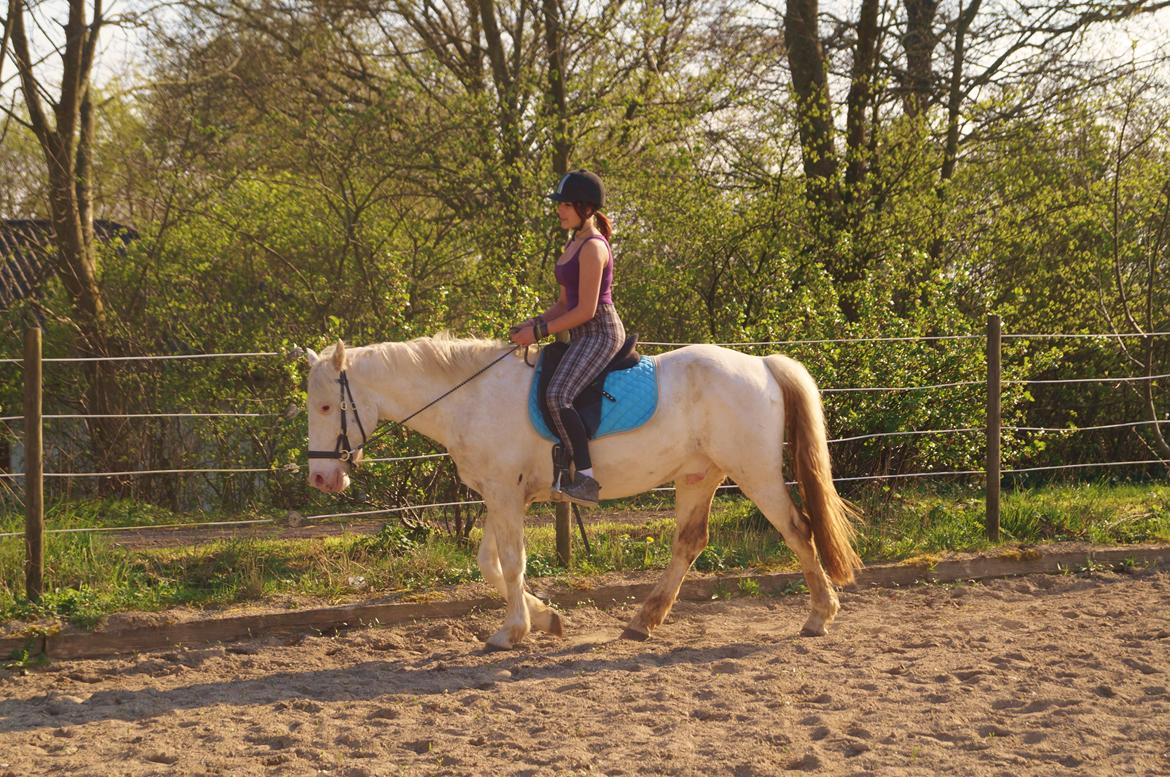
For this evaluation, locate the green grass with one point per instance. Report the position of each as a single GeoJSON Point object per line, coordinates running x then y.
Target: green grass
{"type": "Point", "coordinates": [905, 523]}
{"type": "Point", "coordinates": [87, 576]}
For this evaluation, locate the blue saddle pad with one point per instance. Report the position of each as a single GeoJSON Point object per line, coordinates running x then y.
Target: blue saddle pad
{"type": "Point", "coordinates": [635, 391]}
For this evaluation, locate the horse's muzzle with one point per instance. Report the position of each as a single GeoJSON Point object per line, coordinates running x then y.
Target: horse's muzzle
{"type": "Point", "coordinates": [333, 480]}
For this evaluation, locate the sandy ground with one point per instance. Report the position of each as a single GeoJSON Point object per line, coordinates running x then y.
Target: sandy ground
{"type": "Point", "coordinates": [1041, 675]}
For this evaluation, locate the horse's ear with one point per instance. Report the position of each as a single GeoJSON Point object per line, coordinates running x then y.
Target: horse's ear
{"type": "Point", "coordinates": [339, 356]}
{"type": "Point", "coordinates": [312, 356]}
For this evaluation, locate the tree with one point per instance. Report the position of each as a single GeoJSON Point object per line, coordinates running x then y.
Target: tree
{"type": "Point", "coordinates": [1139, 242]}
{"type": "Point", "coordinates": [64, 128]}
{"type": "Point", "coordinates": [1012, 49]}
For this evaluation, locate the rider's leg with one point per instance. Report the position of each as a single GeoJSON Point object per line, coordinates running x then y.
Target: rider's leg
{"type": "Point", "coordinates": [578, 438]}
{"type": "Point", "coordinates": [591, 347]}
{"type": "Point", "coordinates": [583, 489]}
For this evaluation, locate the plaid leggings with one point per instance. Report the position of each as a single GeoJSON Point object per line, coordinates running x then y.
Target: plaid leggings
{"type": "Point", "coordinates": [591, 346]}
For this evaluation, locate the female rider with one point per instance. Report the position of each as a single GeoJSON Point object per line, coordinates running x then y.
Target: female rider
{"type": "Point", "coordinates": [585, 310]}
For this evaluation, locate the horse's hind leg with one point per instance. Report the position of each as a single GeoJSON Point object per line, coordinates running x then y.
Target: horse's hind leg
{"type": "Point", "coordinates": [692, 510]}
{"type": "Point", "coordinates": [541, 616]}
{"type": "Point", "coordinates": [774, 502]}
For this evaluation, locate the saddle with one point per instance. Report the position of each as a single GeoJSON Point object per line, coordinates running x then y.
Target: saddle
{"type": "Point", "coordinates": [589, 402]}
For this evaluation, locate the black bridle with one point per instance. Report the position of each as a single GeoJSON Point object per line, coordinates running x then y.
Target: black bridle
{"type": "Point", "coordinates": [345, 452]}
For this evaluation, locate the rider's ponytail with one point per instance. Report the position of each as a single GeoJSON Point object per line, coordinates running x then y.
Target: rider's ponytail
{"type": "Point", "coordinates": [603, 224]}
{"type": "Point", "coordinates": [584, 211]}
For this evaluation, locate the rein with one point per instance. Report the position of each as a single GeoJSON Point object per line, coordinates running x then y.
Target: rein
{"type": "Point", "coordinates": [345, 453]}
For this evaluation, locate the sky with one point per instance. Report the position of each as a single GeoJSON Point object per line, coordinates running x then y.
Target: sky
{"type": "Point", "coordinates": [122, 57]}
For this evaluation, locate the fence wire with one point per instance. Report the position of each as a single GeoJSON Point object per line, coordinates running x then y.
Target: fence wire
{"type": "Point", "coordinates": [91, 529]}
{"type": "Point", "coordinates": [293, 467]}
{"type": "Point", "coordinates": [660, 489]}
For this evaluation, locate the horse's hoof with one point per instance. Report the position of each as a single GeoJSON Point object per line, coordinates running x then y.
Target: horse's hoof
{"type": "Point", "coordinates": [556, 625]}
{"type": "Point", "coordinates": [813, 631]}
{"type": "Point", "coordinates": [497, 642]}
{"type": "Point", "coordinates": [635, 635]}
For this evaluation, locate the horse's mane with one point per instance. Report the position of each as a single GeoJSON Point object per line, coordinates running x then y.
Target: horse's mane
{"type": "Point", "coordinates": [442, 354]}
{"type": "Point", "coordinates": [453, 357]}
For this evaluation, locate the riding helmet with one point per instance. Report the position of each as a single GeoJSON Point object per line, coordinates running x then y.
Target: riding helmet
{"type": "Point", "coordinates": [580, 186]}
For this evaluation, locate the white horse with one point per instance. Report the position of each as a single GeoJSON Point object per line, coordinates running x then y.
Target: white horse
{"type": "Point", "coordinates": [720, 414]}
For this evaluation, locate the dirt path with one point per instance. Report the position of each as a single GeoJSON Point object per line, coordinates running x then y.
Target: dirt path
{"type": "Point", "coordinates": [1038, 675]}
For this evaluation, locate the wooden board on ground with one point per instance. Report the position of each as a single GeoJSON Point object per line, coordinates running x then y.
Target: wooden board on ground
{"type": "Point", "coordinates": [136, 639]}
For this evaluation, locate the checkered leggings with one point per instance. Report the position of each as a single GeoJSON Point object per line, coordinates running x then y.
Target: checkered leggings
{"type": "Point", "coordinates": [591, 346]}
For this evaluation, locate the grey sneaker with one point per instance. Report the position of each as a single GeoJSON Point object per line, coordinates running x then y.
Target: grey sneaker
{"type": "Point", "coordinates": [584, 490]}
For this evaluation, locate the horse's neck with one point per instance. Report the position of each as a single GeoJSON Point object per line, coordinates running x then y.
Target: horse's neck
{"type": "Point", "coordinates": [404, 389]}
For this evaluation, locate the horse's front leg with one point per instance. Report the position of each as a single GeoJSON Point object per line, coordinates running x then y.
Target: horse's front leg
{"type": "Point", "coordinates": [540, 615]}
{"type": "Point", "coordinates": [504, 531]}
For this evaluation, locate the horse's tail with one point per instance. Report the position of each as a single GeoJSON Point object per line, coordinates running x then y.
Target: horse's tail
{"type": "Point", "coordinates": [831, 516]}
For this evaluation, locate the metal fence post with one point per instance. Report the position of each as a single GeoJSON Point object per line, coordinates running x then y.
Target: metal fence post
{"type": "Point", "coordinates": [993, 425]}
{"type": "Point", "coordinates": [34, 469]}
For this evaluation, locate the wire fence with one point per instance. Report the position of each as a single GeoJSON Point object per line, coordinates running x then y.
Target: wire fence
{"type": "Point", "coordinates": [294, 467]}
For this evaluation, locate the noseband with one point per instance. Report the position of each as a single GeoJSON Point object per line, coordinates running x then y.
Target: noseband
{"type": "Point", "coordinates": [343, 450]}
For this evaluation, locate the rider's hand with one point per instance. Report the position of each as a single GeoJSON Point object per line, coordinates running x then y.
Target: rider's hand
{"type": "Point", "coordinates": [528, 322]}
{"type": "Point", "coordinates": [523, 335]}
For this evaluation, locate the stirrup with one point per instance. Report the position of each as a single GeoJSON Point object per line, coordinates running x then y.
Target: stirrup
{"type": "Point", "coordinates": [561, 475]}
{"type": "Point", "coordinates": [555, 494]}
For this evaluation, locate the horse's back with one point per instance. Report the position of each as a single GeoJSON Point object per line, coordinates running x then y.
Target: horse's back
{"type": "Point", "coordinates": [703, 369]}
{"type": "Point", "coordinates": [719, 395]}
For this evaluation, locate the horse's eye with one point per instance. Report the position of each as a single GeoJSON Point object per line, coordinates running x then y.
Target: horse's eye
{"type": "Point", "coordinates": [325, 408]}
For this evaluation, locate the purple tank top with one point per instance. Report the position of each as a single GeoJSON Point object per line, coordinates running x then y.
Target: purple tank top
{"type": "Point", "coordinates": [569, 276]}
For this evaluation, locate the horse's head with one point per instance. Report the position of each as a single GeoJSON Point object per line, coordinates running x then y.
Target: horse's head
{"type": "Point", "coordinates": [341, 417]}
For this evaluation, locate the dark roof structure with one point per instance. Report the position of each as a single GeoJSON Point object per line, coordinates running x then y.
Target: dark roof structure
{"type": "Point", "coordinates": [26, 250]}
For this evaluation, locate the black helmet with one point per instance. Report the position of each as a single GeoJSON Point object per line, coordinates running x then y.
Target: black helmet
{"type": "Point", "coordinates": [580, 186]}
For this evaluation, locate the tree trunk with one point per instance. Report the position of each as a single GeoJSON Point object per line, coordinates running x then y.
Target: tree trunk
{"type": "Point", "coordinates": [955, 91]}
{"type": "Point", "coordinates": [1152, 283]}
{"type": "Point", "coordinates": [76, 268]}
{"type": "Point", "coordinates": [557, 107]}
{"type": "Point", "coordinates": [865, 59]}
{"type": "Point", "coordinates": [918, 43]}
{"type": "Point", "coordinates": [1151, 406]}
{"type": "Point", "coordinates": [511, 145]}
{"type": "Point", "coordinates": [806, 60]}
{"type": "Point", "coordinates": [68, 145]}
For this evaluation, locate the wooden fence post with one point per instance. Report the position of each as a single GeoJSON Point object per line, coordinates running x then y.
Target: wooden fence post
{"type": "Point", "coordinates": [564, 533]}
{"type": "Point", "coordinates": [34, 469]}
{"type": "Point", "coordinates": [563, 521]}
{"type": "Point", "coordinates": [994, 341]}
